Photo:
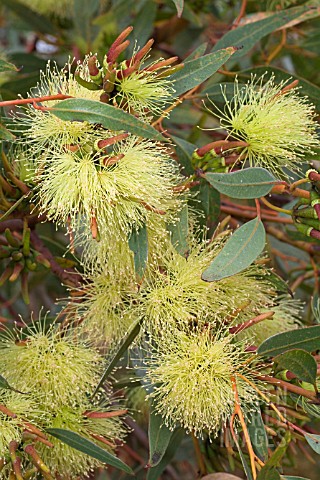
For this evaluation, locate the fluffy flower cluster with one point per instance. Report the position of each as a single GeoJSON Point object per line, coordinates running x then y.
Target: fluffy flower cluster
{"type": "Point", "coordinates": [192, 376]}
{"type": "Point", "coordinates": [277, 123]}
{"type": "Point", "coordinates": [43, 364]}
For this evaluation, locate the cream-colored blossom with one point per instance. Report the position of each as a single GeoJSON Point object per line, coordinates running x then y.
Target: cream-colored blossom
{"type": "Point", "coordinates": [118, 196]}
{"type": "Point", "coordinates": [48, 363]}
{"type": "Point", "coordinates": [43, 130]}
{"type": "Point", "coordinates": [278, 125]}
{"type": "Point", "coordinates": [192, 374]}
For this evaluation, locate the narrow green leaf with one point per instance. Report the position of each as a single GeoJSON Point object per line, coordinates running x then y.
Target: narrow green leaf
{"type": "Point", "coordinates": [83, 445]}
{"type": "Point", "coordinates": [197, 71]}
{"type": "Point", "coordinates": [300, 363]}
{"type": "Point", "coordinates": [110, 117]}
{"type": "Point", "coordinates": [315, 305]}
{"type": "Point", "coordinates": [143, 25]}
{"type": "Point", "coordinates": [244, 461]}
{"type": "Point", "coordinates": [248, 183]}
{"type": "Point", "coordinates": [258, 434]}
{"type": "Point", "coordinates": [246, 36]}
{"type": "Point", "coordinates": [37, 22]}
{"type": "Point", "coordinates": [155, 472]}
{"type": "Point", "coordinates": [184, 151]}
{"type": "Point", "coordinates": [128, 339]}
{"type": "Point", "coordinates": [159, 438]}
{"type": "Point", "coordinates": [286, 477]}
{"type": "Point", "coordinates": [13, 207]}
{"type": "Point", "coordinates": [314, 442]}
{"type": "Point", "coordinates": [7, 67]}
{"type": "Point", "coordinates": [5, 134]}
{"type": "Point", "coordinates": [5, 386]}
{"type": "Point", "coordinates": [209, 199]}
{"type": "Point", "coordinates": [179, 6]}
{"type": "Point", "coordinates": [269, 474]}
{"type": "Point", "coordinates": [138, 243]}
{"type": "Point", "coordinates": [242, 248]}
{"type": "Point", "coordinates": [179, 232]}
{"type": "Point", "coordinates": [198, 52]}
{"type": "Point", "coordinates": [307, 338]}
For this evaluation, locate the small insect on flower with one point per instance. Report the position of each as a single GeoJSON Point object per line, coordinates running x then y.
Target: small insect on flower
{"type": "Point", "coordinates": [277, 123]}
{"type": "Point", "coordinates": [191, 374]}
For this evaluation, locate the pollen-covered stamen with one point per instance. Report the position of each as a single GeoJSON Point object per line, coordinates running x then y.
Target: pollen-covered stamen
{"type": "Point", "coordinates": [121, 74]}
{"type": "Point", "coordinates": [101, 439]}
{"type": "Point", "coordinates": [109, 161]}
{"type": "Point", "coordinates": [38, 462]}
{"type": "Point", "coordinates": [152, 209]}
{"type": "Point", "coordinates": [112, 140]}
{"type": "Point", "coordinates": [142, 52]}
{"type": "Point", "coordinates": [118, 41]}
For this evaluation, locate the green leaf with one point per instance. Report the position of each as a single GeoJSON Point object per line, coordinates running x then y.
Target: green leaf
{"type": "Point", "coordinates": [179, 232]}
{"type": "Point", "coordinates": [248, 183]}
{"type": "Point", "coordinates": [198, 52]}
{"type": "Point", "coordinates": [179, 6]}
{"type": "Point", "coordinates": [315, 305]}
{"type": "Point", "coordinates": [307, 338]}
{"type": "Point", "coordinates": [5, 386]}
{"type": "Point", "coordinates": [197, 71]}
{"type": "Point", "coordinates": [155, 472]}
{"type": "Point", "coordinates": [269, 474]}
{"type": "Point", "coordinates": [37, 22]}
{"type": "Point", "coordinates": [300, 363]}
{"type": "Point", "coordinates": [246, 36]}
{"type": "Point", "coordinates": [286, 477]}
{"type": "Point", "coordinates": [258, 434]}
{"type": "Point", "coordinates": [108, 116]}
{"type": "Point", "coordinates": [5, 134]}
{"type": "Point", "coordinates": [184, 151]}
{"type": "Point", "coordinates": [128, 339]}
{"type": "Point", "coordinates": [138, 243]}
{"type": "Point", "coordinates": [314, 442]}
{"type": "Point", "coordinates": [244, 462]}
{"type": "Point", "coordinates": [143, 25]}
{"type": "Point", "coordinates": [209, 199]}
{"type": "Point", "coordinates": [242, 248]}
{"type": "Point", "coordinates": [159, 438]}
{"type": "Point", "coordinates": [7, 67]}
{"type": "Point", "coordinates": [83, 445]}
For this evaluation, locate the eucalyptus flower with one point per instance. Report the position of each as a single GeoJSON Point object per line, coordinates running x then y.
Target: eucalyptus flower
{"type": "Point", "coordinates": [192, 374]}
{"type": "Point", "coordinates": [285, 317]}
{"type": "Point", "coordinates": [115, 192]}
{"type": "Point", "coordinates": [277, 123]}
{"type": "Point", "coordinates": [59, 8]}
{"type": "Point", "coordinates": [46, 362]}
{"type": "Point", "coordinates": [65, 460]}
{"type": "Point", "coordinates": [173, 293]}
{"type": "Point", "coordinates": [43, 130]}
{"type": "Point", "coordinates": [145, 90]}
